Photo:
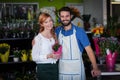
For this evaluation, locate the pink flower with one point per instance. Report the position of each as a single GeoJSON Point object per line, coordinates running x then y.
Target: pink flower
{"type": "Point", "coordinates": [57, 49]}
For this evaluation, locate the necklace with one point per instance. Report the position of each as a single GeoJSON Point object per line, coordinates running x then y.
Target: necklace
{"type": "Point", "coordinates": [47, 36]}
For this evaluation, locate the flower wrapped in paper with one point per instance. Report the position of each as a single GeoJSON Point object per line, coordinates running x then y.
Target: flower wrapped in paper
{"type": "Point", "coordinates": [57, 49]}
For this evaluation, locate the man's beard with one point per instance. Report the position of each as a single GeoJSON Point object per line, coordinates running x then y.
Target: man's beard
{"type": "Point", "coordinates": [66, 24]}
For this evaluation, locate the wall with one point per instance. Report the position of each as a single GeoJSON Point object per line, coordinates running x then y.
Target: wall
{"type": "Point", "coordinates": [97, 10]}
{"type": "Point", "coordinates": [93, 7]}
{"type": "Point", "coordinates": [57, 3]}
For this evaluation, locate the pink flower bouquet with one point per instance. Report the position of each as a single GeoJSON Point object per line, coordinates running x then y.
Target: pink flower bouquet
{"type": "Point", "coordinates": [57, 49]}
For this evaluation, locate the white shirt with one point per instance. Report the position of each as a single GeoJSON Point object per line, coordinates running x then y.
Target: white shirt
{"type": "Point", "coordinates": [41, 48]}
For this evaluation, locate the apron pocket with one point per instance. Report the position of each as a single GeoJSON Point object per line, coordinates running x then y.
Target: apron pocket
{"type": "Point", "coordinates": [69, 66]}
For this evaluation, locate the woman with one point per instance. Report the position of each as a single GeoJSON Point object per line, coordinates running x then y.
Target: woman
{"type": "Point", "coordinates": [42, 53]}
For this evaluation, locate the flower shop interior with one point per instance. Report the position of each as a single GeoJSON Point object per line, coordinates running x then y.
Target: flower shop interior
{"type": "Point", "coordinates": [18, 26]}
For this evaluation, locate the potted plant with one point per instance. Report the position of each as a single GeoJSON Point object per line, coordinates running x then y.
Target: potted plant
{"type": "Point", "coordinates": [16, 54]}
{"type": "Point", "coordinates": [112, 29]}
{"type": "Point", "coordinates": [4, 52]}
{"type": "Point", "coordinates": [24, 55]}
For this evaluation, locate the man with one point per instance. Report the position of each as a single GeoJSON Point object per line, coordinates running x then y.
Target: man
{"type": "Point", "coordinates": [73, 40]}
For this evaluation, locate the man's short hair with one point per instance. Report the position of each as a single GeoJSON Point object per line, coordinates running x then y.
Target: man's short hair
{"type": "Point", "coordinates": [65, 9]}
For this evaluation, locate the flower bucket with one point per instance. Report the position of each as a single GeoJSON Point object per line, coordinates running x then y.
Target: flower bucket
{"type": "Point", "coordinates": [97, 48]}
{"type": "Point", "coordinates": [111, 60]}
{"type": "Point", "coordinates": [24, 57]}
{"type": "Point", "coordinates": [4, 57]}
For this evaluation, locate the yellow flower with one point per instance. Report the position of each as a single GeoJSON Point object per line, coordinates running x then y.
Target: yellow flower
{"type": "Point", "coordinates": [101, 30]}
{"type": "Point", "coordinates": [98, 30]}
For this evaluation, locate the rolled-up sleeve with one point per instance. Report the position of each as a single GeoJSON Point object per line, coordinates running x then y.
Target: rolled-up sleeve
{"type": "Point", "coordinates": [82, 38]}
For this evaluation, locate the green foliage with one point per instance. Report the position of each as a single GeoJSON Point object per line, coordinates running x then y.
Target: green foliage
{"type": "Point", "coordinates": [16, 53]}
{"type": "Point", "coordinates": [110, 43]}
{"type": "Point", "coordinates": [56, 46]}
{"type": "Point", "coordinates": [112, 27]}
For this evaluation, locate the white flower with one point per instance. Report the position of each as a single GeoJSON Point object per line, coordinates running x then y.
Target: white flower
{"type": "Point", "coordinates": [49, 10]}
{"type": "Point", "coordinates": [45, 10]}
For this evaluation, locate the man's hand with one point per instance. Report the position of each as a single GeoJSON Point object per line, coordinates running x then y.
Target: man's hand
{"type": "Point", "coordinates": [95, 72]}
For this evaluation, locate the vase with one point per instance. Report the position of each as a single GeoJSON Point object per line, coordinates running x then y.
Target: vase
{"type": "Point", "coordinates": [97, 48]}
{"type": "Point", "coordinates": [24, 57]}
{"type": "Point", "coordinates": [15, 59]}
{"type": "Point", "coordinates": [4, 57]}
{"type": "Point", "coordinates": [111, 61]}
{"type": "Point", "coordinates": [110, 64]}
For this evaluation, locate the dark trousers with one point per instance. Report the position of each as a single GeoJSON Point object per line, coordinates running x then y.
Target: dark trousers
{"type": "Point", "coordinates": [47, 71]}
